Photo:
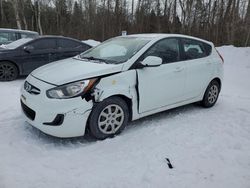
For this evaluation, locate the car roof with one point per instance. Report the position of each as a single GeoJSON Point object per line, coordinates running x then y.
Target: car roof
{"type": "Point", "coordinates": [59, 37]}
{"type": "Point", "coordinates": [18, 30]}
{"type": "Point", "coordinates": [155, 36]}
{"type": "Point", "coordinates": [56, 36]}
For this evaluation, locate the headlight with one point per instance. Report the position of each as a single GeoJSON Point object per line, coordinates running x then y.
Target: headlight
{"type": "Point", "coordinates": [71, 90]}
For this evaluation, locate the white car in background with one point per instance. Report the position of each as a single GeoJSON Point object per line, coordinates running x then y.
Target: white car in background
{"type": "Point", "coordinates": [122, 79]}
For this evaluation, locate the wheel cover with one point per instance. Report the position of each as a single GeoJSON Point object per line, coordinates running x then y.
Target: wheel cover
{"type": "Point", "coordinates": [7, 72]}
{"type": "Point", "coordinates": [213, 94]}
{"type": "Point", "coordinates": [111, 119]}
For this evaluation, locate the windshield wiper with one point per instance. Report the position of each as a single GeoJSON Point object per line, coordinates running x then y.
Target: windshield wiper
{"type": "Point", "coordinates": [107, 61]}
{"type": "Point", "coordinates": [93, 58]}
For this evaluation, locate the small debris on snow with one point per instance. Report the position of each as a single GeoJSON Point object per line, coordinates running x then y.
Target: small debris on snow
{"type": "Point", "coordinates": [169, 163]}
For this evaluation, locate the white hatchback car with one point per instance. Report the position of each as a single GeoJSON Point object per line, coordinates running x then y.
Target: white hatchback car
{"type": "Point", "coordinates": [122, 79]}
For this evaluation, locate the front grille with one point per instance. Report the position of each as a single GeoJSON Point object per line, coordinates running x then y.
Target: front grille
{"type": "Point", "coordinates": [31, 114]}
{"type": "Point", "coordinates": [31, 89]}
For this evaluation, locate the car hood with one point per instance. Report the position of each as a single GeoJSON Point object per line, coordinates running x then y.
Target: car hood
{"type": "Point", "coordinates": [73, 69]}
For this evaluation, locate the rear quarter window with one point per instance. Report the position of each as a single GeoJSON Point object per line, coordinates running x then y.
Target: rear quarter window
{"type": "Point", "coordinates": [208, 48]}
{"type": "Point", "coordinates": [194, 49]}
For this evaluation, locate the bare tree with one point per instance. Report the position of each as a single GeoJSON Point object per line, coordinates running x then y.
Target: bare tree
{"type": "Point", "coordinates": [22, 4]}
{"type": "Point", "coordinates": [38, 16]}
{"type": "Point", "coordinates": [16, 9]}
{"type": "Point", "coordinates": [247, 22]}
{"type": "Point", "coordinates": [2, 11]}
{"type": "Point", "coordinates": [219, 21]}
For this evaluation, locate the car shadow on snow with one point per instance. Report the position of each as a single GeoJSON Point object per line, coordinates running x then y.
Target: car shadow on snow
{"type": "Point", "coordinates": [44, 138]}
{"type": "Point", "coordinates": [132, 126]}
{"type": "Point", "coordinates": [162, 116]}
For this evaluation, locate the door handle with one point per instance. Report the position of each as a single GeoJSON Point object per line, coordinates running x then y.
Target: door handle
{"type": "Point", "coordinates": [179, 69]}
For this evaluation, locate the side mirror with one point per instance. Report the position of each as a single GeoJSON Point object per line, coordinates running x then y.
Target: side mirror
{"type": "Point", "coordinates": [151, 61]}
{"type": "Point", "coordinates": [28, 48]}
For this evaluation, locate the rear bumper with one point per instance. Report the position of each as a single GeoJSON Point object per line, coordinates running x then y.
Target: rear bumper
{"type": "Point", "coordinates": [40, 111]}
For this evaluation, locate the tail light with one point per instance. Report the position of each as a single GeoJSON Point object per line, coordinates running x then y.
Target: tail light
{"type": "Point", "coordinates": [220, 56]}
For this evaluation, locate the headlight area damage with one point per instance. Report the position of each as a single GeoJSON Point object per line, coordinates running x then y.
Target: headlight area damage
{"type": "Point", "coordinates": [75, 89]}
{"type": "Point", "coordinates": [60, 111]}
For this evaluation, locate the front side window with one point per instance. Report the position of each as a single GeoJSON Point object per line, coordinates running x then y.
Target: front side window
{"type": "Point", "coordinates": [166, 49]}
{"type": "Point", "coordinates": [42, 44]}
{"type": "Point", "coordinates": [116, 50]}
{"type": "Point", "coordinates": [193, 49]}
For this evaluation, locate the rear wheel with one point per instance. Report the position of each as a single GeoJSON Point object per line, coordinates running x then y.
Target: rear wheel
{"type": "Point", "coordinates": [8, 71]}
{"type": "Point", "coordinates": [211, 95]}
{"type": "Point", "coordinates": [108, 118]}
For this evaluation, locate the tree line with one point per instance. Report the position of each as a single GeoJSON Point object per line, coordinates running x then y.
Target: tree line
{"type": "Point", "coordinates": [220, 21]}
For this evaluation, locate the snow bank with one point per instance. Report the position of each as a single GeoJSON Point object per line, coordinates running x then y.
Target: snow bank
{"type": "Point", "coordinates": [207, 147]}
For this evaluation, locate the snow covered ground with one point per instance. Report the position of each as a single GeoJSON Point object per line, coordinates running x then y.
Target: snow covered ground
{"type": "Point", "coordinates": [207, 147]}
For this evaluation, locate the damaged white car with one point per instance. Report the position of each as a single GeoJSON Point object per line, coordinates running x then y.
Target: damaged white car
{"type": "Point", "coordinates": [121, 80]}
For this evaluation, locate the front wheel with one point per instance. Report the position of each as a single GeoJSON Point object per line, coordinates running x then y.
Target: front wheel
{"type": "Point", "coordinates": [211, 95]}
{"type": "Point", "coordinates": [108, 118]}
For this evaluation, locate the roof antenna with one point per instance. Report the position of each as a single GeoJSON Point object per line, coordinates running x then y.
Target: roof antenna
{"type": "Point", "coordinates": [124, 33]}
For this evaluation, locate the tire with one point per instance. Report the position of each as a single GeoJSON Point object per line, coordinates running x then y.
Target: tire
{"type": "Point", "coordinates": [8, 71]}
{"type": "Point", "coordinates": [108, 118]}
{"type": "Point", "coordinates": [211, 94]}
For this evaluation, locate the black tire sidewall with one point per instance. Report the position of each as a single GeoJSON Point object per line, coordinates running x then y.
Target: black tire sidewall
{"type": "Point", "coordinates": [205, 101]}
{"type": "Point", "coordinates": [97, 109]}
{"type": "Point", "coordinates": [15, 70]}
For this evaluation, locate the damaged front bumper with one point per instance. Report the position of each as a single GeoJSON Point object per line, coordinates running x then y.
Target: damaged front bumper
{"type": "Point", "coordinates": [56, 117]}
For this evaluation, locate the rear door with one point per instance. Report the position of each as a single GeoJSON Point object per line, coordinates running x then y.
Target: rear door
{"type": "Point", "coordinates": [69, 48]}
{"type": "Point", "coordinates": [43, 51]}
{"type": "Point", "coordinates": [199, 66]}
{"type": "Point", "coordinates": [163, 85]}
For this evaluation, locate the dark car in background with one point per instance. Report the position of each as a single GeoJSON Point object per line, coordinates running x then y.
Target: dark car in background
{"type": "Point", "coordinates": [23, 56]}
{"type": "Point", "coordinates": [9, 35]}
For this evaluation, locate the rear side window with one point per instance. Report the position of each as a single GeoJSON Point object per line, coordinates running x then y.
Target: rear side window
{"type": "Point", "coordinates": [44, 44]}
{"type": "Point", "coordinates": [193, 49]}
{"type": "Point", "coordinates": [65, 43]}
{"type": "Point", "coordinates": [208, 48]}
{"type": "Point", "coordinates": [167, 49]}
{"type": "Point", "coordinates": [24, 35]}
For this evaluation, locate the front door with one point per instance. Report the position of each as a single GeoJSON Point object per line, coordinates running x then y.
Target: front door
{"type": "Point", "coordinates": [163, 85]}
{"type": "Point", "coordinates": [43, 51]}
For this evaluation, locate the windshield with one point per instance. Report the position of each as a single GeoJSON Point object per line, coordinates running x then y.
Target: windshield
{"type": "Point", "coordinates": [17, 43]}
{"type": "Point", "coordinates": [116, 50]}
